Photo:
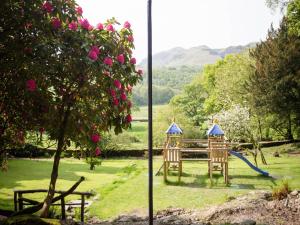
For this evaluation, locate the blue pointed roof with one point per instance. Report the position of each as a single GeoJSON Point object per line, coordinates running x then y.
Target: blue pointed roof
{"type": "Point", "coordinates": [174, 129]}
{"type": "Point", "coordinates": [215, 130]}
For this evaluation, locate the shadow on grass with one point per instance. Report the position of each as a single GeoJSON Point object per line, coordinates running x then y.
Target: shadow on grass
{"type": "Point", "coordinates": [202, 181]}
{"type": "Point", "coordinates": [38, 170]}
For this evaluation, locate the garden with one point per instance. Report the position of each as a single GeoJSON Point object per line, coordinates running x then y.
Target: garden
{"type": "Point", "coordinates": [74, 124]}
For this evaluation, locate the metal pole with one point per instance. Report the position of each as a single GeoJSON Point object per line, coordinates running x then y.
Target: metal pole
{"type": "Point", "coordinates": [150, 130]}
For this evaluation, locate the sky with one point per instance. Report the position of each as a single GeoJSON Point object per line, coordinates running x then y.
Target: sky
{"type": "Point", "coordinates": [187, 23]}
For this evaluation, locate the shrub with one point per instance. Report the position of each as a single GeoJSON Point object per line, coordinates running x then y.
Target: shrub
{"type": "Point", "coordinates": [282, 191]}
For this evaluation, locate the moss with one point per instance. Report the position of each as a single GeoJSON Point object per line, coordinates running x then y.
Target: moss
{"type": "Point", "coordinates": [30, 220]}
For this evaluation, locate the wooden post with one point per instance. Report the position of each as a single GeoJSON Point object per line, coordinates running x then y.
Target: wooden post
{"type": "Point", "coordinates": [63, 209]}
{"type": "Point", "coordinates": [165, 171]}
{"type": "Point", "coordinates": [15, 201]}
{"type": "Point", "coordinates": [20, 201]}
{"type": "Point", "coordinates": [82, 208]}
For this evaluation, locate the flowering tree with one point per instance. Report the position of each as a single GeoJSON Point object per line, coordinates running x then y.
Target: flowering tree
{"type": "Point", "coordinates": [239, 125]}
{"type": "Point", "coordinates": [77, 77]}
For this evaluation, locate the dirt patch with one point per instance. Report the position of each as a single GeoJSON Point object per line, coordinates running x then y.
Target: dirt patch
{"type": "Point", "coordinates": [253, 208]}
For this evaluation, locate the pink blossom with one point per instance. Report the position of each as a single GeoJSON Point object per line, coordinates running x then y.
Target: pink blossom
{"type": "Point", "coordinates": [112, 92]}
{"type": "Point", "coordinates": [123, 96]}
{"type": "Point", "coordinates": [108, 61]}
{"type": "Point", "coordinates": [127, 25]}
{"type": "Point", "coordinates": [56, 23]}
{"type": "Point", "coordinates": [100, 26]}
{"type": "Point", "coordinates": [93, 55]}
{"type": "Point", "coordinates": [116, 101]}
{"type": "Point", "coordinates": [140, 72]}
{"type": "Point", "coordinates": [117, 84]}
{"type": "Point", "coordinates": [133, 61]}
{"type": "Point", "coordinates": [128, 118]}
{"type": "Point", "coordinates": [130, 38]}
{"type": "Point", "coordinates": [97, 151]}
{"type": "Point", "coordinates": [91, 27]}
{"type": "Point", "coordinates": [31, 85]}
{"type": "Point", "coordinates": [47, 6]}
{"type": "Point", "coordinates": [110, 27]}
{"type": "Point", "coordinates": [73, 26]}
{"type": "Point", "coordinates": [84, 24]}
{"type": "Point", "coordinates": [121, 58]}
{"type": "Point", "coordinates": [79, 10]}
{"type": "Point", "coordinates": [95, 138]}
{"type": "Point", "coordinates": [95, 49]}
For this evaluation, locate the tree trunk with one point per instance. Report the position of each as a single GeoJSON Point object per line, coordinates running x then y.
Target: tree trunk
{"type": "Point", "coordinates": [260, 130]}
{"type": "Point", "coordinates": [54, 174]}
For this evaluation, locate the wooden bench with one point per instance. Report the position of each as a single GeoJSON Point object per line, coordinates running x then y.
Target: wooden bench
{"type": "Point", "coordinates": [20, 201]}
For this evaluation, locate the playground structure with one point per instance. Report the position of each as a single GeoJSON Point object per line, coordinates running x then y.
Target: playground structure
{"type": "Point", "coordinates": [215, 148]}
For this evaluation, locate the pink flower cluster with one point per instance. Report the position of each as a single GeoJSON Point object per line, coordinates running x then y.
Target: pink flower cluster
{"type": "Point", "coordinates": [73, 26]}
{"type": "Point", "coordinates": [95, 138]}
{"type": "Point", "coordinates": [97, 151]}
{"type": "Point", "coordinates": [127, 25]}
{"type": "Point", "coordinates": [133, 61]}
{"type": "Point", "coordinates": [118, 84]}
{"type": "Point", "coordinates": [93, 53]}
{"type": "Point", "coordinates": [85, 24]}
{"type": "Point", "coordinates": [31, 85]}
{"type": "Point", "coordinates": [79, 10]}
{"type": "Point", "coordinates": [108, 61]}
{"type": "Point", "coordinates": [47, 6]}
{"type": "Point", "coordinates": [100, 26]}
{"type": "Point", "coordinates": [121, 59]}
{"type": "Point", "coordinates": [110, 28]}
{"type": "Point", "coordinates": [56, 23]}
{"type": "Point", "coordinates": [128, 118]}
{"type": "Point", "coordinates": [130, 38]}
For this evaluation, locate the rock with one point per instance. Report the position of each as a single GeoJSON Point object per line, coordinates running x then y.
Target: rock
{"type": "Point", "coordinates": [248, 222]}
{"type": "Point", "coordinates": [294, 193]}
{"type": "Point", "coordinates": [276, 154]}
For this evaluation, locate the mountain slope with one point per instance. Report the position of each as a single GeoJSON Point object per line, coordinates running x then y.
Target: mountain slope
{"type": "Point", "coordinates": [195, 56]}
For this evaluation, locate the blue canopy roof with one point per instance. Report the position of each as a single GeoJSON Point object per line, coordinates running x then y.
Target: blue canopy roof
{"type": "Point", "coordinates": [174, 129]}
{"type": "Point", "coordinates": [215, 130]}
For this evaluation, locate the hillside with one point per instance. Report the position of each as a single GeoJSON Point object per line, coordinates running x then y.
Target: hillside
{"type": "Point", "coordinates": [177, 67]}
{"type": "Point", "coordinates": [195, 56]}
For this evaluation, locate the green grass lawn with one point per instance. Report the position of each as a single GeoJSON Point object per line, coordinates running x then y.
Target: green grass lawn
{"type": "Point", "coordinates": [137, 136]}
{"type": "Point", "coordinates": [143, 111]}
{"type": "Point", "coordinates": [122, 183]}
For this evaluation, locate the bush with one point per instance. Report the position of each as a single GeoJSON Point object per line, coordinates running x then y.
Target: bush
{"type": "Point", "coordinates": [281, 191]}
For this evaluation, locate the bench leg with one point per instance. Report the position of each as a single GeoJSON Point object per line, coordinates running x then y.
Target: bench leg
{"type": "Point", "coordinates": [16, 201]}
{"type": "Point", "coordinates": [63, 209]}
{"type": "Point", "coordinates": [82, 208]}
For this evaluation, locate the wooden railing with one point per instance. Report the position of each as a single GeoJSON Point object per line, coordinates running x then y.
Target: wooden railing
{"type": "Point", "coordinates": [20, 201]}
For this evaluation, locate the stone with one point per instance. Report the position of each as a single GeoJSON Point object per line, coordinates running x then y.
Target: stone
{"type": "Point", "coordinates": [248, 222]}
{"type": "Point", "coordinates": [276, 154]}
{"type": "Point", "coordinates": [294, 193]}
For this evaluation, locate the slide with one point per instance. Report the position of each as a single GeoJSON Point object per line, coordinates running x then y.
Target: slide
{"type": "Point", "coordinates": [240, 156]}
